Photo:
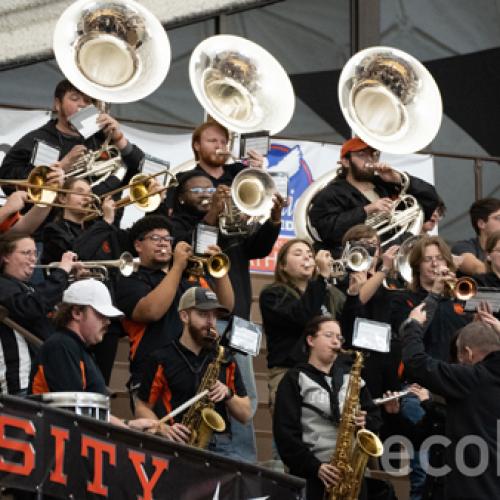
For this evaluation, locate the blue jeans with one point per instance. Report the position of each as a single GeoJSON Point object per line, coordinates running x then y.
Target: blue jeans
{"type": "Point", "coordinates": [243, 442]}
{"type": "Point", "coordinates": [413, 411]}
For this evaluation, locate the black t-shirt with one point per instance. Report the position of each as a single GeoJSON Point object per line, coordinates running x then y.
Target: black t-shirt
{"type": "Point", "coordinates": [64, 364]}
{"type": "Point", "coordinates": [147, 337]}
{"type": "Point", "coordinates": [173, 374]}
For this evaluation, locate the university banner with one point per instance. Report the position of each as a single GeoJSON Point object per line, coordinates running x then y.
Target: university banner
{"type": "Point", "coordinates": [303, 161]}
{"type": "Point", "coordinates": [56, 452]}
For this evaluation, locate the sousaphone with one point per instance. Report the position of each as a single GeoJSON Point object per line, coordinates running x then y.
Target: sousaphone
{"type": "Point", "coordinates": [390, 100]}
{"type": "Point", "coordinates": [113, 51]}
{"type": "Point", "coordinates": [241, 85]}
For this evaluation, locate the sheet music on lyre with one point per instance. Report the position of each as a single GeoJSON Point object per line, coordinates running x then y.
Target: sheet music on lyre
{"type": "Point", "coordinates": [490, 295]}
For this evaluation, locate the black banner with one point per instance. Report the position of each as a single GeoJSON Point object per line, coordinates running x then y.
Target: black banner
{"type": "Point", "coordinates": [58, 453]}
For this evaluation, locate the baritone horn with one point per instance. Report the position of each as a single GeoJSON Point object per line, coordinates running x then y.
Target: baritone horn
{"type": "Point", "coordinates": [241, 85]}
{"type": "Point", "coordinates": [390, 100]}
{"type": "Point", "coordinates": [112, 50]}
{"type": "Point", "coordinates": [251, 201]}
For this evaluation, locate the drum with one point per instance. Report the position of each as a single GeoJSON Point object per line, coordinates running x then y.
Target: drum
{"type": "Point", "coordinates": [89, 404]}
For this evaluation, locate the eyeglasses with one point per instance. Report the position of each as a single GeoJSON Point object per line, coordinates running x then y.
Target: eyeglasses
{"type": "Point", "coordinates": [199, 190]}
{"type": "Point", "coordinates": [437, 258]}
{"type": "Point", "coordinates": [28, 253]}
{"type": "Point", "coordinates": [156, 238]}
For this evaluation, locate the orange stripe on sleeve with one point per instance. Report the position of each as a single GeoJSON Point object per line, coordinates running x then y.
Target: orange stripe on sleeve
{"type": "Point", "coordinates": [39, 385]}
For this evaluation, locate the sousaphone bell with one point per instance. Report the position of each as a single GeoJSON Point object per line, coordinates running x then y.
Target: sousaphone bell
{"type": "Point", "coordinates": [390, 100]}
{"type": "Point", "coordinates": [114, 51]}
{"type": "Point", "coordinates": [241, 85]}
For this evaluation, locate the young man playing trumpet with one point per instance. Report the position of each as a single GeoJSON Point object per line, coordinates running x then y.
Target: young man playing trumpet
{"type": "Point", "coordinates": [173, 374]}
{"type": "Point", "coordinates": [363, 186]}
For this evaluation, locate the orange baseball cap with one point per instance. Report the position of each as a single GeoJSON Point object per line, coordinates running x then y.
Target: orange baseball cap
{"type": "Point", "coordinates": [354, 144]}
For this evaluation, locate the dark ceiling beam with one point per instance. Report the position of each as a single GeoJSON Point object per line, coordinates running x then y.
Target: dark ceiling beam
{"type": "Point", "coordinates": [365, 24]}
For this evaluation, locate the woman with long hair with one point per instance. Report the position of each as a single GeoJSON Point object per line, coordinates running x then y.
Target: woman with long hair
{"type": "Point", "coordinates": [300, 291]}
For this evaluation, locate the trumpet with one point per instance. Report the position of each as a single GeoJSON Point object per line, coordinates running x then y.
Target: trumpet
{"type": "Point", "coordinates": [217, 265]}
{"type": "Point", "coordinates": [462, 288]}
{"type": "Point", "coordinates": [126, 264]}
{"type": "Point", "coordinates": [43, 194]}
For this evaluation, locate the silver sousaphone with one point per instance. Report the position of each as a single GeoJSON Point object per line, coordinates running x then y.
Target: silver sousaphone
{"type": "Point", "coordinates": [114, 51]}
{"type": "Point", "coordinates": [390, 100]}
{"type": "Point", "coordinates": [241, 85]}
{"type": "Point", "coordinates": [244, 88]}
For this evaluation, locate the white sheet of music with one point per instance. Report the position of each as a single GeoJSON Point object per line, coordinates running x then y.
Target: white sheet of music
{"type": "Point", "coordinates": [44, 154]}
{"type": "Point", "coordinates": [373, 335]}
{"type": "Point", "coordinates": [205, 237]}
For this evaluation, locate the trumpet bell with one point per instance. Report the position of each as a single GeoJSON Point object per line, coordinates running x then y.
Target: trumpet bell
{"type": "Point", "coordinates": [37, 180]}
{"type": "Point", "coordinates": [465, 288]}
{"type": "Point", "coordinates": [241, 85]}
{"type": "Point", "coordinates": [390, 100]}
{"type": "Point", "coordinates": [252, 191]}
{"type": "Point", "coordinates": [114, 51]}
{"type": "Point", "coordinates": [218, 265]}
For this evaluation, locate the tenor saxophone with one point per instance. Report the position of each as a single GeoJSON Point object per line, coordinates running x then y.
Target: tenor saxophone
{"type": "Point", "coordinates": [353, 448]}
{"type": "Point", "coordinates": [201, 418]}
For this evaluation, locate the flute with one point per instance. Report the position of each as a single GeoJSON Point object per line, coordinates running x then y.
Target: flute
{"type": "Point", "coordinates": [396, 395]}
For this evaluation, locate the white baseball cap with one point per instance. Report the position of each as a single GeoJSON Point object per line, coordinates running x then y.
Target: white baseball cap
{"type": "Point", "coordinates": [90, 292]}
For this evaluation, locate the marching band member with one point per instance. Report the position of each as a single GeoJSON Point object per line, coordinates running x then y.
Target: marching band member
{"type": "Point", "coordinates": [64, 363]}
{"type": "Point", "coordinates": [367, 298]}
{"type": "Point", "coordinates": [149, 297]}
{"type": "Point", "coordinates": [58, 236]}
{"type": "Point", "coordinates": [210, 147]}
{"type": "Point", "coordinates": [60, 133]}
{"type": "Point", "coordinates": [309, 405]}
{"type": "Point", "coordinates": [485, 219]}
{"type": "Point", "coordinates": [432, 269]}
{"type": "Point", "coordinates": [173, 374]}
{"type": "Point", "coordinates": [362, 187]}
{"type": "Point", "coordinates": [26, 305]}
{"type": "Point", "coordinates": [492, 277]}
{"type": "Point", "coordinates": [296, 295]}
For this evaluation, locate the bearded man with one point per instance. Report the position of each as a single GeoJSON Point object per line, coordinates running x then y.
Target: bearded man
{"type": "Point", "coordinates": [363, 186]}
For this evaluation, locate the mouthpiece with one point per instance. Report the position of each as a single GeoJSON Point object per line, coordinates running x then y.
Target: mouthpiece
{"type": "Point", "coordinates": [224, 152]}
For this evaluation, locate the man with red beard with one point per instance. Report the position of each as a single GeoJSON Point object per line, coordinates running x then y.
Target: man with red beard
{"type": "Point", "coordinates": [173, 374]}
{"type": "Point", "coordinates": [363, 186]}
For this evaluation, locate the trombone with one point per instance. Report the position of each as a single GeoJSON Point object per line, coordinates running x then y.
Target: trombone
{"type": "Point", "coordinates": [42, 194]}
{"type": "Point", "coordinates": [217, 265]}
{"type": "Point", "coordinates": [126, 264]}
{"type": "Point", "coordinates": [141, 194]}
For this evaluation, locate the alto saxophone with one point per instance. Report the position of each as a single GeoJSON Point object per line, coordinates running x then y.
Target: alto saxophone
{"type": "Point", "coordinates": [352, 448]}
{"type": "Point", "coordinates": [201, 418]}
